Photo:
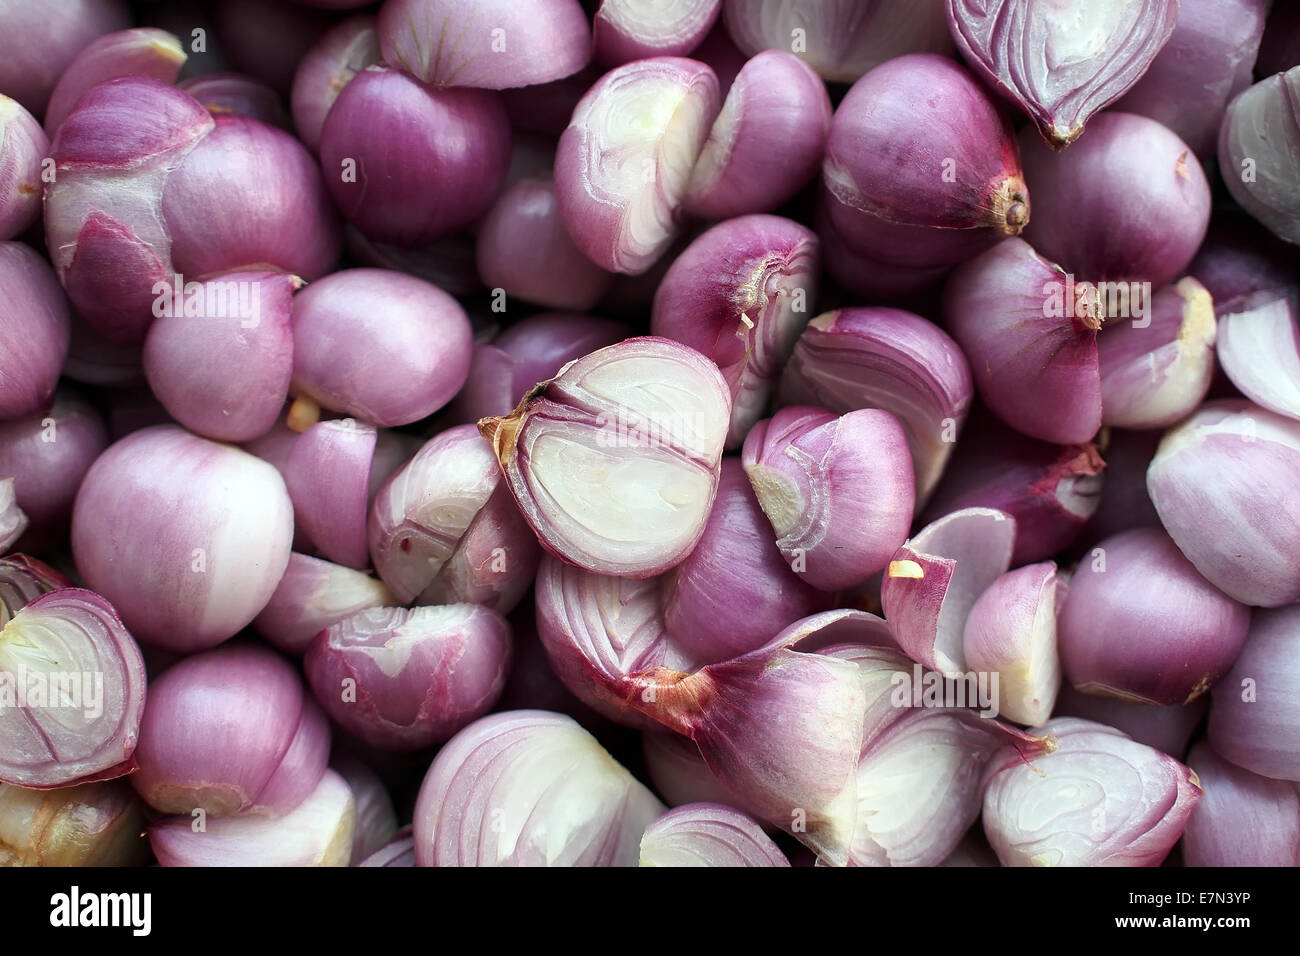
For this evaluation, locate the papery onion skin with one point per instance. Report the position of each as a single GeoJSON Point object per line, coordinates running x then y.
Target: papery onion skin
{"type": "Point", "coordinates": [605, 209]}
{"type": "Point", "coordinates": [52, 36]}
{"type": "Point", "coordinates": [407, 163]}
{"type": "Point", "coordinates": [48, 453]}
{"type": "Point", "coordinates": [618, 426]}
{"type": "Point", "coordinates": [494, 44]}
{"type": "Point", "coordinates": [228, 731]}
{"type": "Point", "coordinates": [1255, 709]}
{"type": "Point", "coordinates": [1088, 782]}
{"type": "Point", "coordinates": [734, 565]}
{"type": "Point", "coordinates": [327, 68]}
{"type": "Point", "coordinates": [402, 679]}
{"type": "Point", "coordinates": [23, 144]}
{"type": "Point", "coordinates": [319, 831]}
{"type": "Point", "coordinates": [35, 334]}
{"type": "Point", "coordinates": [524, 249]}
{"type": "Point", "coordinates": [312, 595]}
{"type": "Point", "coordinates": [742, 293]}
{"type": "Point", "coordinates": [935, 578]}
{"type": "Point", "coordinates": [141, 51]}
{"type": "Point", "coordinates": [529, 352]}
{"type": "Point", "coordinates": [417, 345]}
{"type": "Point", "coordinates": [1148, 201]}
{"type": "Point", "coordinates": [1140, 623]}
{"type": "Point", "coordinates": [1153, 377]}
{"type": "Point", "coordinates": [195, 551]}
{"type": "Point", "coordinates": [949, 178]}
{"type": "Point", "coordinates": [889, 359]}
{"type": "Point", "coordinates": [840, 39]}
{"type": "Point", "coordinates": [1222, 483]}
{"type": "Point", "coordinates": [238, 95]}
{"type": "Point", "coordinates": [767, 142]}
{"type": "Point", "coordinates": [92, 732]}
{"type": "Point", "coordinates": [838, 492]}
{"type": "Point", "coordinates": [1005, 41]}
{"type": "Point", "coordinates": [1243, 819]}
{"type": "Point", "coordinates": [529, 788]}
{"type": "Point", "coordinates": [708, 834]}
{"type": "Point", "coordinates": [1030, 334]}
{"type": "Point", "coordinates": [1206, 62]}
{"type": "Point", "coordinates": [627, 30]}
{"type": "Point", "coordinates": [1168, 729]}
{"type": "Point", "coordinates": [1012, 629]}
{"type": "Point", "coordinates": [1051, 490]}
{"type": "Point", "coordinates": [1259, 152]}
{"type": "Point", "coordinates": [222, 369]}
{"type": "Point", "coordinates": [95, 824]}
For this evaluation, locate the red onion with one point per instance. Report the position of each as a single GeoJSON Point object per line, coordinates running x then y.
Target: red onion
{"type": "Point", "coordinates": [403, 679]}
{"type": "Point", "coordinates": [47, 454]}
{"type": "Point", "coordinates": [312, 595]}
{"type": "Point", "coordinates": [1205, 63]}
{"type": "Point", "coordinates": [1168, 729]}
{"type": "Point", "coordinates": [268, 38]}
{"type": "Point", "coordinates": [736, 565]}
{"type": "Point", "coordinates": [840, 39]}
{"type": "Point", "coordinates": [708, 834]}
{"type": "Point", "coordinates": [1061, 62]}
{"type": "Point", "coordinates": [414, 352]}
{"type": "Point", "coordinates": [614, 463]}
{"type": "Point", "coordinates": [227, 731]}
{"type": "Point", "coordinates": [865, 275]}
{"type": "Point", "coordinates": [34, 336]}
{"type": "Point", "coordinates": [22, 580]}
{"type": "Point", "coordinates": [219, 355]}
{"type": "Point", "coordinates": [528, 352]}
{"type": "Point", "coordinates": [23, 145]}
{"type": "Point", "coordinates": [45, 40]}
{"type": "Point", "coordinates": [1099, 799]}
{"type": "Point", "coordinates": [524, 250]}
{"type": "Point", "coordinates": [13, 521]}
{"type": "Point", "coordinates": [623, 166]}
{"type": "Point", "coordinates": [72, 689]}
{"type": "Point", "coordinates": [529, 788]}
{"type": "Point", "coordinates": [1243, 820]}
{"type": "Point", "coordinates": [233, 94]}
{"type": "Point", "coordinates": [493, 44]}
{"type": "Point", "coordinates": [408, 163]}
{"type": "Point", "coordinates": [1050, 490]}
{"type": "Point", "coordinates": [1258, 148]}
{"type": "Point", "coordinates": [888, 359]}
{"type": "Point", "coordinates": [934, 579]}
{"type": "Point", "coordinates": [195, 550]}
{"type": "Point", "coordinates": [741, 294]}
{"type": "Point", "coordinates": [1012, 629]}
{"type": "Point", "coordinates": [1259, 349]}
{"type": "Point", "coordinates": [767, 141]}
{"type": "Point", "coordinates": [95, 824]}
{"type": "Point", "coordinates": [628, 30]}
{"type": "Point", "coordinates": [376, 818]}
{"type": "Point", "coordinates": [1031, 336]}
{"type": "Point", "coordinates": [327, 68]}
{"type": "Point", "coordinates": [443, 529]}
{"type": "Point", "coordinates": [1255, 709]}
{"type": "Point", "coordinates": [838, 491]}
{"type": "Point", "coordinates": [1148, 202]}
{"type": "Point", "coordinates": [1153, 377]}
{"type": "Point", "coordinates": [1140, 623]}
{"type": "Point", "coordinates": [319, 831]}
{"type": "Point", "coordinates": [722, 56]}
{"type": "Point", "coordinates": [1222, 483]}
{"type": "Point", "coordinates": [1280, 49]}
{"type": "Point", "coordinates": [679, 774]}
{"type": "Point", "coordinates": [399, 852]}
{"type": "Point", "coordinates": [328, 478]}
{"type": "Point", "coordinates": [921, 165]}
{"type": "Point", "coordinates": [145, 180]}
{"type": "Point", "coordinates": [142, 51]}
